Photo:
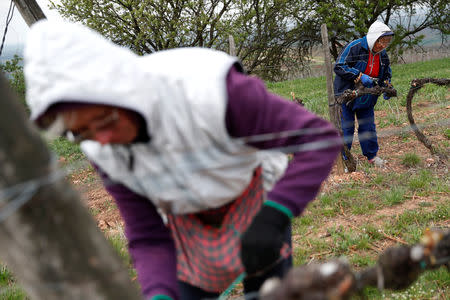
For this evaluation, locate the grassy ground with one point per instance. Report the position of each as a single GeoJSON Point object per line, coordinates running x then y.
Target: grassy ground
{"type": "Point", "coordinates": [355, 215]}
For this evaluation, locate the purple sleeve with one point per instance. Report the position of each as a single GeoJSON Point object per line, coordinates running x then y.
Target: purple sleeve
{"type": "Point", "coordinates": [149, 241]}
{"type": "Point", "coordinates": [253, 110]}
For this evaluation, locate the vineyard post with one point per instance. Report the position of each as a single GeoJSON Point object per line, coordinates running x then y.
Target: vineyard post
{"type": "Point", "coordinates": [332, 105]}
{"type": "Point", "coordinates": [30, 11]}
{"type": "Point", "coordinates": [232, 45]}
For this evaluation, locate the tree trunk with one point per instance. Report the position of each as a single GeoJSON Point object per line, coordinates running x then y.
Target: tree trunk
{"type": "Point", "coordinates": [47, 238]}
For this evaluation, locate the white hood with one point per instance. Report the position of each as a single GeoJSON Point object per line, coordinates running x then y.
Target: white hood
{"type": "Point", "coordinates": [376, 30]}
{"type": "Point", "coordinates": [70, 62]}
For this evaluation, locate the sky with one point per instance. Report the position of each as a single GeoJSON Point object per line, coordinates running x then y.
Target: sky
{"type": "Point", "coordinates": [18, 29]}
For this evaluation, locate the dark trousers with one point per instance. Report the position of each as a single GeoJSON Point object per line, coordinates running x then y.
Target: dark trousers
{"type": "Point", "coordinates": [251, 285]}
{"type": "Point", "coordinates": [367, 134]}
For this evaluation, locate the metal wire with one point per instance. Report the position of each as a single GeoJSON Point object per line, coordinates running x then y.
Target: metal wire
{"type": "Point", "coordinates": [23, 192]}
{"type": "Point", "coordinates": [311, 146]}
{"type": "Point", "coordinates": [9, 17]}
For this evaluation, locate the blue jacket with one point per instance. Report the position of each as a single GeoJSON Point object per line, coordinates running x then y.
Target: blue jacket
{"type": "Point", "coordinates": [353, 60]}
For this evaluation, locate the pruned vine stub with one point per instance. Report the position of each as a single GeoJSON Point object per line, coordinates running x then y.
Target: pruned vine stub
{"type": "Point", "coordinates": [396, 269]}
{"type": "Point", "coordinates": [416, 85]}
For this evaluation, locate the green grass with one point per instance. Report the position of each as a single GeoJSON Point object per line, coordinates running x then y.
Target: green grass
{"type": "Point", "coordinates": [411, 160]}
{"type": "Point", "coordinates": [422, 180]}
{"type": "Point", "coordinates": [119, 244]}
{"type": "Point", "coordinates": [411, 224]}
{"type": "Point", "coordinates": [5, 275]}
{"type": "Point", "coordinates": [9, 289]}
{"type": "Point", "coordinates": [313, 91]}
{"type": "Point", "coordinates": [395, 115]}
{"type": "Point", "coordinates": [63, 148]}
{"type": "Point", "coordinates": [394, 196]}
{"type": "Point", "coordinates": [446, 133]}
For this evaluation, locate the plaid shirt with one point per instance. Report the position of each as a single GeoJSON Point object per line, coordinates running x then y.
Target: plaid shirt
{"type": "Point", "coordinates": [208, 256]}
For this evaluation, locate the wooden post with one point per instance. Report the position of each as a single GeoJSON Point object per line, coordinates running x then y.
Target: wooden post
{"type": "Point", "coordinates": [30, 11]}
{"type": "Point", "coordinates": [333, 108]}
{"type": "Point", "coordinates": [232, 46]}
{"type": "Point", "coordinates": [48, 239]}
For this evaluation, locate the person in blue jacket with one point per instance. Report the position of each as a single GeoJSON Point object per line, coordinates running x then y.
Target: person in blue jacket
{"type": "Point", "coordinates": [364, 60]}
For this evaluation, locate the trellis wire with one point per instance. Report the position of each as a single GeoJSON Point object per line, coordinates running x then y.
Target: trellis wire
{"type": "Point", "coordinates": [9, 17]}
{"type": "Point", "coordinates": [23, 192]}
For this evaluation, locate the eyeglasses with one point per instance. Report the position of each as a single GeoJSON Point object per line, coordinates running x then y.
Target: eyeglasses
{"type": "Point", "coordinates": [101, 124]}
{"type": "Point", "coordinates": [384, 40]}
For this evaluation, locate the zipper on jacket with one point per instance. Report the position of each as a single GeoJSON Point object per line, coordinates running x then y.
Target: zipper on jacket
{"type": "Point", "coordinates": [371, 65]}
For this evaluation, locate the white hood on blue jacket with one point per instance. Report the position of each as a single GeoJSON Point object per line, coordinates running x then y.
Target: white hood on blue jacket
{"type": "Point", "coordinates": [376, 30]}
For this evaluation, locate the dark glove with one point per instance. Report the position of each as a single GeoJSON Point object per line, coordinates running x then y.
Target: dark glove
{"type": "Point", "coordinates": [262, 242]}
{"type": "Point", "coordinates": [386, 97]}
{"type": "Point", "coordinates": [366, 81]}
